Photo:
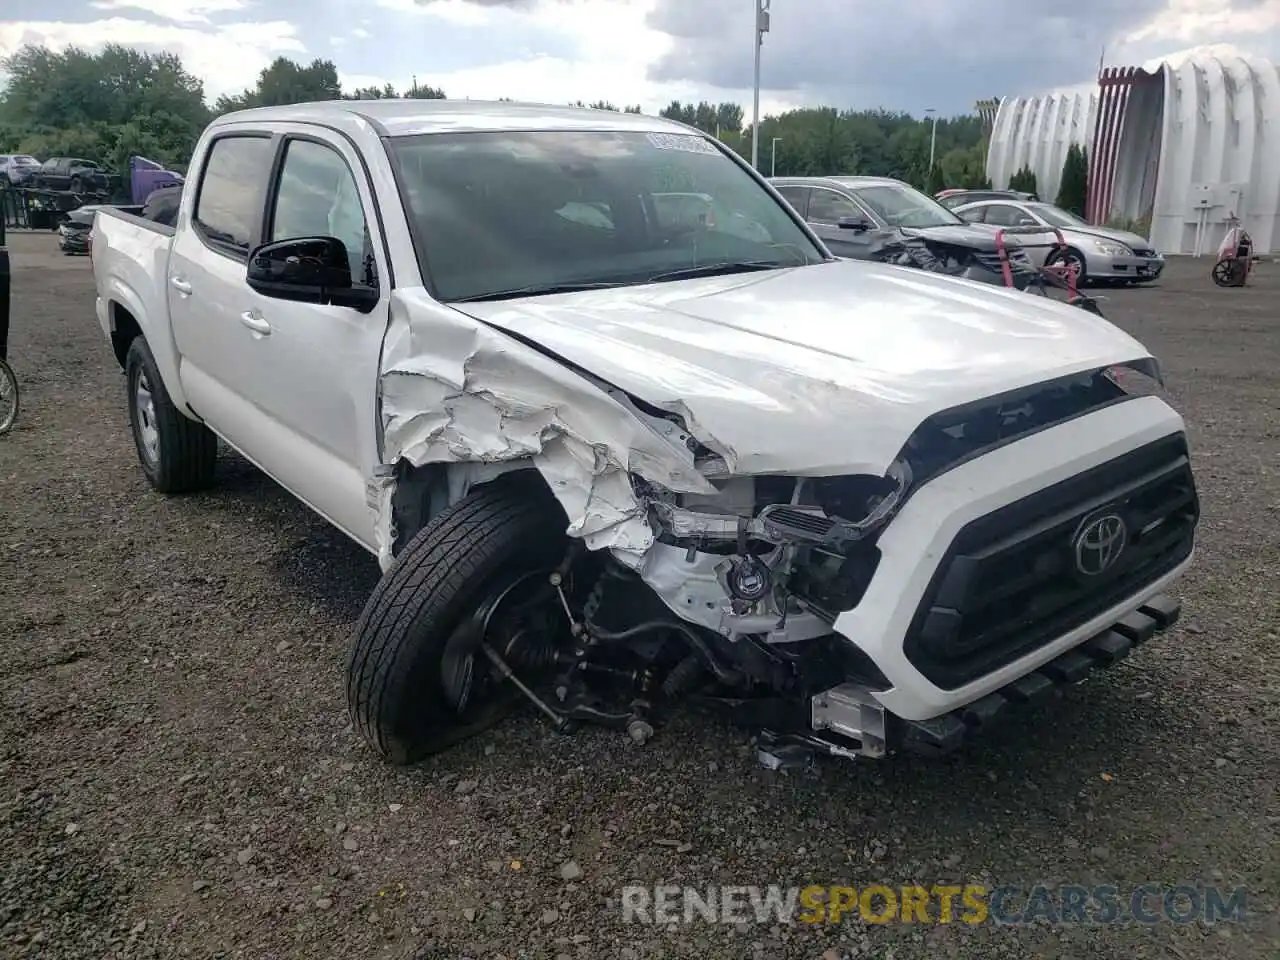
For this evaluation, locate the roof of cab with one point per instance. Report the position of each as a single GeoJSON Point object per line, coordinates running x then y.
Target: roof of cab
{"type": "Point", "coordinates": [403, 118]}
{"type": "Point", "coordinates": [850, 181]}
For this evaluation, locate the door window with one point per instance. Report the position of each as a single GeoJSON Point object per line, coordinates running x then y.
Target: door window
{"type": "Point", "coordinates": [974, 214]}
{"type": "Point", "coordinates": [230, 197]}
{"type": "Point", "coordinates": [1003, 215]}
{"type": "Point", "coordinates": [795, 196]}
{"type": "Point", "coordinates": [317, 197]}
{"type": "Point", "coordinates": [827, 206]}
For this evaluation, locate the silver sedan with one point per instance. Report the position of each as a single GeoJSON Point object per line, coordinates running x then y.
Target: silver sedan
{"type": "Point", "coordinates": [1097, 253]}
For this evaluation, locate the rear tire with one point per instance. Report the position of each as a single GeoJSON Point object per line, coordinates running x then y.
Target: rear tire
{"type": "Point", "coordinates": [178, 454]}
{"type": "Point", "coordinates": [416, 635]}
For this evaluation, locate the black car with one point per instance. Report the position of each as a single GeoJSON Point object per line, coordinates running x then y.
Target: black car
{"type": "Point", "coordinates": [859, 218]}
{"type": "Point", "coordinates": [956, 198]}
{"type": "Point", "coordinates": [71, 173]}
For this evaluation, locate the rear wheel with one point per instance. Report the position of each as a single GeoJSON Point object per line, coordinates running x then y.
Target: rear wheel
{"type": "Point", "coordinates": [479, 572]}
{"type": "Point", "coordinates": [178, 455]}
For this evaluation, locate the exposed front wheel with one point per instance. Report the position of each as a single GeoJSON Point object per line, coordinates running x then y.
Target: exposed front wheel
{"type": "Point", "coordinates": [1072, 260]}
{"type": "Point", "coordinates": [479, 574]}
{"type": "Point", "coordinates": [178, 455]}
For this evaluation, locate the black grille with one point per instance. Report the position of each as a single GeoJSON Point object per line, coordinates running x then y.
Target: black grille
{"type": "Point", "coordinates": [1009, 583]}
{"type": "Point", "coordinates": [1143, 252]}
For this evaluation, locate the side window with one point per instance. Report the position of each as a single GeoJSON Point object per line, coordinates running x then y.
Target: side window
{"type": "Point", "coordinates": [317, 197]}
{"type": "Point", "coordinates": [827, 206]}
{"type": "Point", "coordinates": [974, 214]}
{"type": "Point", "coordinates": [230, 197]}
{"type": "Point", "coordinates": [796, 196]}
{"type": "Point", "coordinates": [1003, 215]}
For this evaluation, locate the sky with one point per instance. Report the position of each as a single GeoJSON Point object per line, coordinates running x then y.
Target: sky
{"type": "Point", "coordinates": [857, 54]}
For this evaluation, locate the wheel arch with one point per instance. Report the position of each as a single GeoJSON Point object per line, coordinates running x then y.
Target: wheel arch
{"type": "Point", "coordinates": [421, 492]}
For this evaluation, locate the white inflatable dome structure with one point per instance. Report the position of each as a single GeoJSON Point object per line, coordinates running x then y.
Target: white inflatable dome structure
{"type": "Point", "coordinates": [1185, 142]}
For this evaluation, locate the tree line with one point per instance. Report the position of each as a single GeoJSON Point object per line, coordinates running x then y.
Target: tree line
{"type": "Point", "coordinates": [111, 105]}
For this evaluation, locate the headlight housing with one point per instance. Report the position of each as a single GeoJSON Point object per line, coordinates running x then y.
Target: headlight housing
{"type": "Point", "coordinates": [1139, 378]}
{"type": "Point", "coordinates": [1108, 249]}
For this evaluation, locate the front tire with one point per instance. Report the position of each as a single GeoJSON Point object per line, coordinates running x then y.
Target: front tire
{"type": "Point", "coordinates": [417, 641]}
{"type": "Point", "coordinates": [178, 455]}
{"type": "Point", "coordinates": [1072, 258]}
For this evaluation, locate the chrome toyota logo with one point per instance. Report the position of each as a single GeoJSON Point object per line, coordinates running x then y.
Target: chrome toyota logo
{"type": "Point", "coordinates": [1099, 543]}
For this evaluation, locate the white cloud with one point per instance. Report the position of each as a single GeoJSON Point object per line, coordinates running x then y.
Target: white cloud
{"type": "Point", "coordinates": [227, 57]}
{"type": "Point", "coordinates": [179, 11]}
{"type": "Point", "coordinates": [1194, 21]}
{"type": "Point", "coordinates": [613, 49]}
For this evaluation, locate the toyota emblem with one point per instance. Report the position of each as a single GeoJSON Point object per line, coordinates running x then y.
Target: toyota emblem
{"type": "Point", "coordinates": [1099, 542]}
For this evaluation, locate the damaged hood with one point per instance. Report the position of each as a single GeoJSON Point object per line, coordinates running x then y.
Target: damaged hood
{"type": "Point", "coordinates": [820, 370]}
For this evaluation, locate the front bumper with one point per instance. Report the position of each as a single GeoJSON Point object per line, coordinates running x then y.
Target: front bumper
{"type": "Point", "coordinates": [72, 241]}
{"type": "Point", "coordinates": [848, 721]}
{"type": "Point", "coordinates": [1125, 268]}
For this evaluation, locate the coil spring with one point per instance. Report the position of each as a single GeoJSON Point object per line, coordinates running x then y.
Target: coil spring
{"type": "Point", "coordinates": [591, 606]}
{"type": "Point", "coordinates": [529, 650]}
{"type": "Point", "coordinates": [682, 676]}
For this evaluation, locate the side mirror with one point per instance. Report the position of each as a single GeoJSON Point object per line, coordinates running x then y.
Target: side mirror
{"type": "Point", "coordinates": [853, 223]}
{"type": "Point", "coordinates": [1026, 222]}
{"type": "Point", "coordinates": [308, 270]}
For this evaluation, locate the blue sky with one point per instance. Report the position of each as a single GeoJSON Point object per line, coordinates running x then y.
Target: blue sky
{"type": "Point", "coordinates": [850, 53]}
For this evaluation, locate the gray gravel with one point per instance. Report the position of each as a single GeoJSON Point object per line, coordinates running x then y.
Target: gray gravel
{"type": "Point", "coordinates": [177, 777]}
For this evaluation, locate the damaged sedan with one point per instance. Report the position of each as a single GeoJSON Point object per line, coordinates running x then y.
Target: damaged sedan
{"type": "Point", "coordinates": [616, 453]}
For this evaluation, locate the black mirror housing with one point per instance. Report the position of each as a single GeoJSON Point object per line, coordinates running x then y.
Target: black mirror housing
{"type": "Point", "coordinates": [308, 270]}
{"type": "Point", "coordinates": [853, 223]}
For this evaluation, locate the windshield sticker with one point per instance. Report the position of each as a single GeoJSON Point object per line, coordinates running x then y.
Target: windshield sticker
{"type": "Point", "coordinates": [683, 142]}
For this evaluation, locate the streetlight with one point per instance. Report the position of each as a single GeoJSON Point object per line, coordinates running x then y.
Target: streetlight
{"type": "Point", "coordinates": [762, 27]}
{"type": "Point", "coordinates": [773, 157]}
{"type": "Point", "coordinates": [933, 136]}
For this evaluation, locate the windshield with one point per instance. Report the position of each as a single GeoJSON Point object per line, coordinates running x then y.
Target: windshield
{"type": "Point", "coordinates": [1056, 215]}
{"type": "Point", "coordinates": [24, 161]}
{"type": "Point", "coordinates": [902, 206]}
{"type": "Point", "coordinates": [497, 212]}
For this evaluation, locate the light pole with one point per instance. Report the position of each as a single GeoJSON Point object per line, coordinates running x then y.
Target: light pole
{"type": "Point", "coordinates": [773, 157]}
{"type": "Point", "coordinates": [762, 27]}
{"type": "Point", "coordinates": [933, 136]}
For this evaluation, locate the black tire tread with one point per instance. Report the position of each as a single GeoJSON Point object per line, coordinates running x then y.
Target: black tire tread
{"type": "Point", "coordinates": [188, 449]}
{"type": "Point", "coordinates": [410, 615]}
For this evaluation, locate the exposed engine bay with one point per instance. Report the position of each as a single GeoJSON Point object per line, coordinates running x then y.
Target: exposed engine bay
{"type": "Point", "coordinates": [734, 605]}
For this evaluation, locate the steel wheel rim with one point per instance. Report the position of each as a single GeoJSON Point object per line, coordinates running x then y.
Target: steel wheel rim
{"type": "Point", "coordinates": [144, 406]}
{"type": "Point", "coordinates": [8, 398]}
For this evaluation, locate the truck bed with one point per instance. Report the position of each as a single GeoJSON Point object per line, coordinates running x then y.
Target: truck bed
{"type": "Point", "coordinates": [131, 269]}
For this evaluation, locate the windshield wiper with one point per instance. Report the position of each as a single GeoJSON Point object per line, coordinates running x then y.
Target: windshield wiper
{"type": "Point", "coordinates": [535, 290]}
{"type": "Point", "coordinates": [719, 269]}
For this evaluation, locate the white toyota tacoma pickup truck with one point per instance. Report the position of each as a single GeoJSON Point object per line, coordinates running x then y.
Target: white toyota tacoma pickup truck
{"type": "Point", "coordinates": [611, 457]}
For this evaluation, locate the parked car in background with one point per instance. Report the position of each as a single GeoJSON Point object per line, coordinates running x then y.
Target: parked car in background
{"type": "Point", "coordinates": [16, 168]}
{"type": "Point", "coordinates": [855, 215]}
{"type": "Point", "coordinates": [955, 198]}
{"type": "Point", "coordinates": [71, 173]}
{"type": "Point", "coordinates": [1096, 253]}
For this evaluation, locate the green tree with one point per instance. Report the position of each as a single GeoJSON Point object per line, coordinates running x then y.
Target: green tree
{"type": "Point", "coordinates": [1024, 181]}
{"type": "Point", "coordinates": [284, 82]}
{"type": "Point", "coordinates": [937, 181]}
{"type": "Point", "coordinates": [1073, 192]}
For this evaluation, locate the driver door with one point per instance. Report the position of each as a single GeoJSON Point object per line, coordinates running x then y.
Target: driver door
{"type": "Point", "coordinates": [826, 207]}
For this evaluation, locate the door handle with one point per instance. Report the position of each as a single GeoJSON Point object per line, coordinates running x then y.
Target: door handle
{"type": "Point", "coordinates": [256, 322]}
{"type": "Point", "coordinates": [180, 285]}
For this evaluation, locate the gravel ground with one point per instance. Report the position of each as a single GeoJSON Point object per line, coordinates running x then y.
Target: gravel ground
{"type": "Point", "coordinates": [178, 779]}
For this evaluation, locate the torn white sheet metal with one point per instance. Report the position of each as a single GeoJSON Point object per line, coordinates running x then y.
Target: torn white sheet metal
{"type": "Point", "coordinates": [817, 371]}
{"type": "Point", "coordinates": [454, 391]}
